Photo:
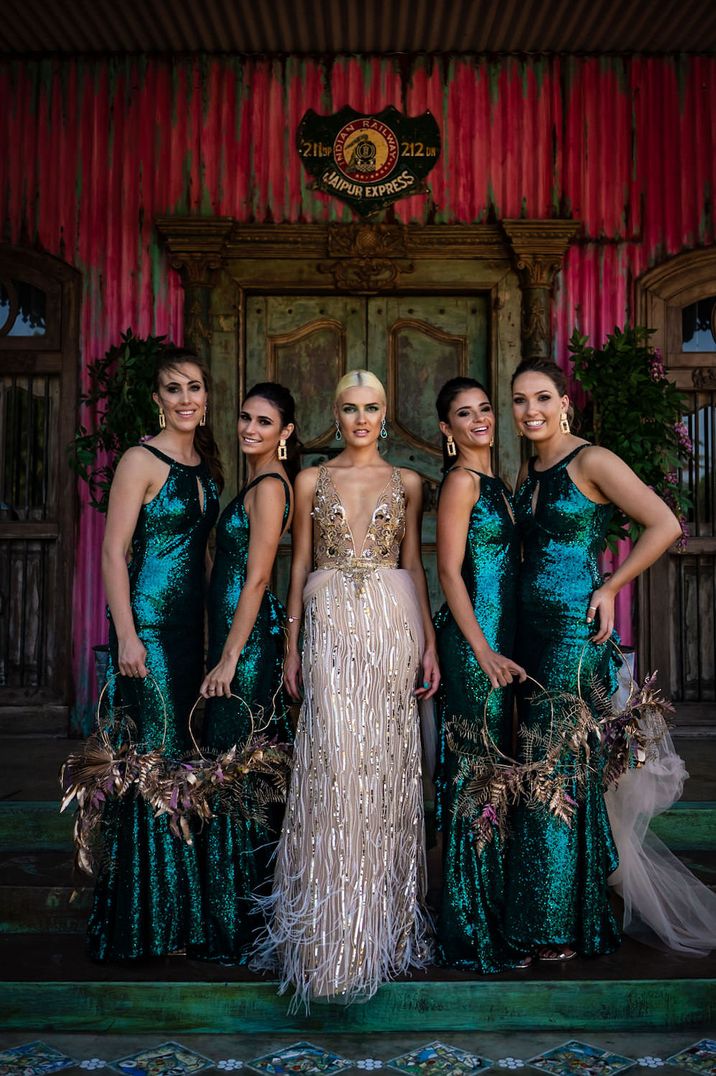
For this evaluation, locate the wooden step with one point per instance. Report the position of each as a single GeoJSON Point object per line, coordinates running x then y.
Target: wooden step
{"type": "Point", "coordinates": [50, 985]}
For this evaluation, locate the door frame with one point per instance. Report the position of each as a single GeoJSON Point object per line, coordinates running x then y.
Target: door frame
{"type": "Point", "coordinates": [57, 353]}
{"type": "Point", "coordinates": [660, 293]}
{"type": "Point", "coordinates": [222, 262]}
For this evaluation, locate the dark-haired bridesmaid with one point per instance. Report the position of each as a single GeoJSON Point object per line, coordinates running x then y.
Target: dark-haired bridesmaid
{"type": "Point", "coordinates": [245, 657]}
{"type": "Point", "coordinates": [565, 499]}
{"type": "Point", "coordinates": [478, 562]}
{"type": "Point", "coordinates": [163, 503]}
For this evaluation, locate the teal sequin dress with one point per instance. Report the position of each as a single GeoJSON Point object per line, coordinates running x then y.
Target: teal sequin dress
{"type": "Point", "coordinates": [147, 901]}
{"type": "Point", "coordinates": [469, 929]}
{"type": "Point", "coordinates": [558, 873]}
{"type": "Point", "coordinates": [235, 852]}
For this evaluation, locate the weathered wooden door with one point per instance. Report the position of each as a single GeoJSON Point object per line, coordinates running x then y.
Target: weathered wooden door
{"type": "Point", "coordinates": [413, 344]}
{"type": "Point", "coordinates": [38, 360]}
{"type": "Point", "coordinates": [678, 606]}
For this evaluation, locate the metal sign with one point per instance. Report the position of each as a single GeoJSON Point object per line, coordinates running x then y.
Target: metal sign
{"type": "Point", "coordinates": [368, 161]}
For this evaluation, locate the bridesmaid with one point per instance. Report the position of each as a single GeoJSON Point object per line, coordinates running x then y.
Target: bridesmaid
{"type": "Point", "coordinates": [163, 503]}
{"type": "Point", "coordinates": [246, 636]}
{"type": "Point", "coordinates": [565, 500]}
{"type": "Point", "coordinates": [478, 562]}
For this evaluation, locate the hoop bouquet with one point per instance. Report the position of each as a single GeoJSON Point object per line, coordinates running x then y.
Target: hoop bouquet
{"type": "Point", "coordinates": [245, 780]}
{"type": "Point", "coordinates": [593, 734]}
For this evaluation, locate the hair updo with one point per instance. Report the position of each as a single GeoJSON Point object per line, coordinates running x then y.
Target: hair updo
{"type": "Point", "coordinates": [556, 375]}
{"type": "Point", "coordinates": [543, 366]}
{"type": "Point", "coordinates": [448, 393]}
{"type": "Point", "coordinates": [170, 358]}
{"type": "Point", "coordinates": [359, 379]}
{"type": "Point", "coordinates": [280, 397]}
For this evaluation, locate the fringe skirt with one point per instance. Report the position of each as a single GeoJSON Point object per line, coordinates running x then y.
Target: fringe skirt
{"type": "Point", "coordinates": [346, 911]}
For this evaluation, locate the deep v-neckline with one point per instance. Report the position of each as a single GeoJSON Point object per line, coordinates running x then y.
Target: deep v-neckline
{"type": "Point", "coordinates": [372, 516]}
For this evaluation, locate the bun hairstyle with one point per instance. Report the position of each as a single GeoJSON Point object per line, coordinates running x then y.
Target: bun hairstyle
{"type": "Point", "coordinates": [450, 390]}
{"type": "Point", "coordinates": [170, 359]}
{"type": "Point", "coordinates": [283, 401]}
{"type": "Point", "coordinates": [556, 375]}
{"type": "Point", "coordinates": [358, 379]}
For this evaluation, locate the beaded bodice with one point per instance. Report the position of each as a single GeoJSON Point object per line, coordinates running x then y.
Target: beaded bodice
{"type": "Point", "coordinates": [335, 543]}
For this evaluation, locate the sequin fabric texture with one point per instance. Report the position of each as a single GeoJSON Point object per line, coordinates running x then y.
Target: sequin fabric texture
{"type": "Point", "coordinates": [346, 909]}
{"type": "Point", "coordinates": [469, 931]}
{"type": "Point", "coordinates": [147, 900]}
{"type": "Point", "coordinates": [558, 872]}
{"type": "Point", "coordinates": [235, 852]}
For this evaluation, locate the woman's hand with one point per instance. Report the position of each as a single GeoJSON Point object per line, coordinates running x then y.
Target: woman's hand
{"type": "Point", "coordinates": [431, 674]}
{"type": "Point", "coordinates": [292, 677]}
{"type": "Point", "coordinates": [498, 669]}
{"type": "Point", "coordinates": [601, 604]}
{"type": "Point", "coordinates": [218, 681]}
{"type": "Point", "coordinates": [132, 656]}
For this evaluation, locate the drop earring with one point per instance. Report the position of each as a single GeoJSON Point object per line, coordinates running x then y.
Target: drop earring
{"type": "Point", "coordinates": [492, 441]}
{"type": "Point", "coordinates": [383, 430]}
{"type": "Point", "coordinates": [282, 452]}
{"type": "Point", "coordinates": [162, 420]}
{"type": "Point", "coordinates": [338, 430]}
{"type": "Point", "coordinates": [564, 422]}
{"type": "Point", "coordinates": [451, 446]}
{"type": "Point", "coordinates": [202, 421]}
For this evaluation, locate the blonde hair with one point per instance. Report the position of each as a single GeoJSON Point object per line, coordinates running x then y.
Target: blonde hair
{"type": "Point", "coordinates": [358, 379]}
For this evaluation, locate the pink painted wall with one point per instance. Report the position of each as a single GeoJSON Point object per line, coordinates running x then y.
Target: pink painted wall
{"type": "Point", "coordinates": [94, 150]}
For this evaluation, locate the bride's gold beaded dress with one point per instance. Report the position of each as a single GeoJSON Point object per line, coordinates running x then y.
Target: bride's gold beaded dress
{"type": "Point", "coordinates": [346, 911]}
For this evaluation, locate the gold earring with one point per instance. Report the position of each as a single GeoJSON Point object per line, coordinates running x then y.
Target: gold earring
{"type": "Point", "coordinates": [564, 422]}
{"type": "Point", "coordinates": [492, 441]}
{"type": "Point", "coordinates": [451, 446]}
{"type": "Point", "coordinates": [282, 453]}
{"type": "Point", "coordinates": [162, 420]}
{"type": "Point", "coordinates": [203, 419]}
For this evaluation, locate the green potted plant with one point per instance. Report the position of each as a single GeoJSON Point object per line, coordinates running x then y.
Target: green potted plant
{"type": "Point", "coordinates": [120, 399]}
{"type": "Point", "coordinates": [633, 409]}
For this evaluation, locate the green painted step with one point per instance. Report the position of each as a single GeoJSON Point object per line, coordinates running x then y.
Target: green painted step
{"type": "Point", "coordinates": [240, 1008]}
{"type": "Point", "coordinates": [688, 826]}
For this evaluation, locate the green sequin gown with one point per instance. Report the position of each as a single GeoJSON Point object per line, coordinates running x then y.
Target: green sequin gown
{"type": "Point", "coordinates": [235, 852]}
{"type": "Point", "coordinates": [558, 873]}
{"type": "Point", "coordinates": [469, 929]}
{"type": "Point", "coordinates": [147, 901]}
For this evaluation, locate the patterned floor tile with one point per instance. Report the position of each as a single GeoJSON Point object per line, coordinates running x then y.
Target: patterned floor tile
{"type": "Point", "coordinates": [32, 1059]}
{"type": "Point", "coordinates": [168, 1059]}
{"type": "Point", "coordinates": [575, 1058]}
{"type": "Point", "coordinates": [440, 1059]}
{"type": "Point", "coordinates": [300, 1057]}
{"type": "Point", "coordinates": [701, 1057]}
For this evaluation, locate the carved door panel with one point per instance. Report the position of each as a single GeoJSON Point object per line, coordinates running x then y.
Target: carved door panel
{"type": "Point", "coordinates": [415, 343]}
{"type": "Point", "coordinates": [678, 611]}
{"type": "Point", "coordinates": [38, 354]}
{"type": "Point", "coordinates": [412, 343]}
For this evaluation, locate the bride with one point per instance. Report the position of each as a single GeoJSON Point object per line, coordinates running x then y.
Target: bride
{"type": "Point", "coordinates": [346, 910]}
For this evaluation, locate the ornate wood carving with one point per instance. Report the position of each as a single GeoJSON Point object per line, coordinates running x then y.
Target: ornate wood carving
{"type": "Point", "coordinates": [538, 249]}
{"type": "Point", "coordinates": [704, 377]}
{"type": "Point", "coordinates": [369, 257]}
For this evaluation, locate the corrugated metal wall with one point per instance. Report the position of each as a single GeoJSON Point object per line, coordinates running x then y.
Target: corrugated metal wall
{"type": "Point", "coordinates": [94, 150]}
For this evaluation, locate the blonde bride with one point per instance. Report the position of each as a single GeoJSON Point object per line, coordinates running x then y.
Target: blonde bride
{"type": "Point", "coordinates": [346, 910]}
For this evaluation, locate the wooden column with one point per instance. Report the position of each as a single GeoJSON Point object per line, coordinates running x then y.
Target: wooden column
{"type": "Point", "coordinates": [538, 249]}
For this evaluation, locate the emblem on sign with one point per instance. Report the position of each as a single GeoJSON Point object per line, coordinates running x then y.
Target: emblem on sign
{"type": "Point", "coordinates": [368, 161]}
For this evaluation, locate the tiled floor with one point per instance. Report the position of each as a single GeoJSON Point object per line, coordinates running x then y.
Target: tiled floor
{"type": "Point", "coordinates": [458, 1055]}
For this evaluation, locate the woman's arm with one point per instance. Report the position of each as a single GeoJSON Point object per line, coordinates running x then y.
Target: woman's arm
{"type": "Point", "coordinates": [457, 498]}
{"type": "Point", "coordinates": [411, 560]}
{"type": "Point", "coordinates": [266, 512]}
{"type": "Point", "coordinates": [301, 564]}
{"type": "Point", "coordinates": [132, 483]}
{"type": "Point", "coordinates": [615, 481]}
